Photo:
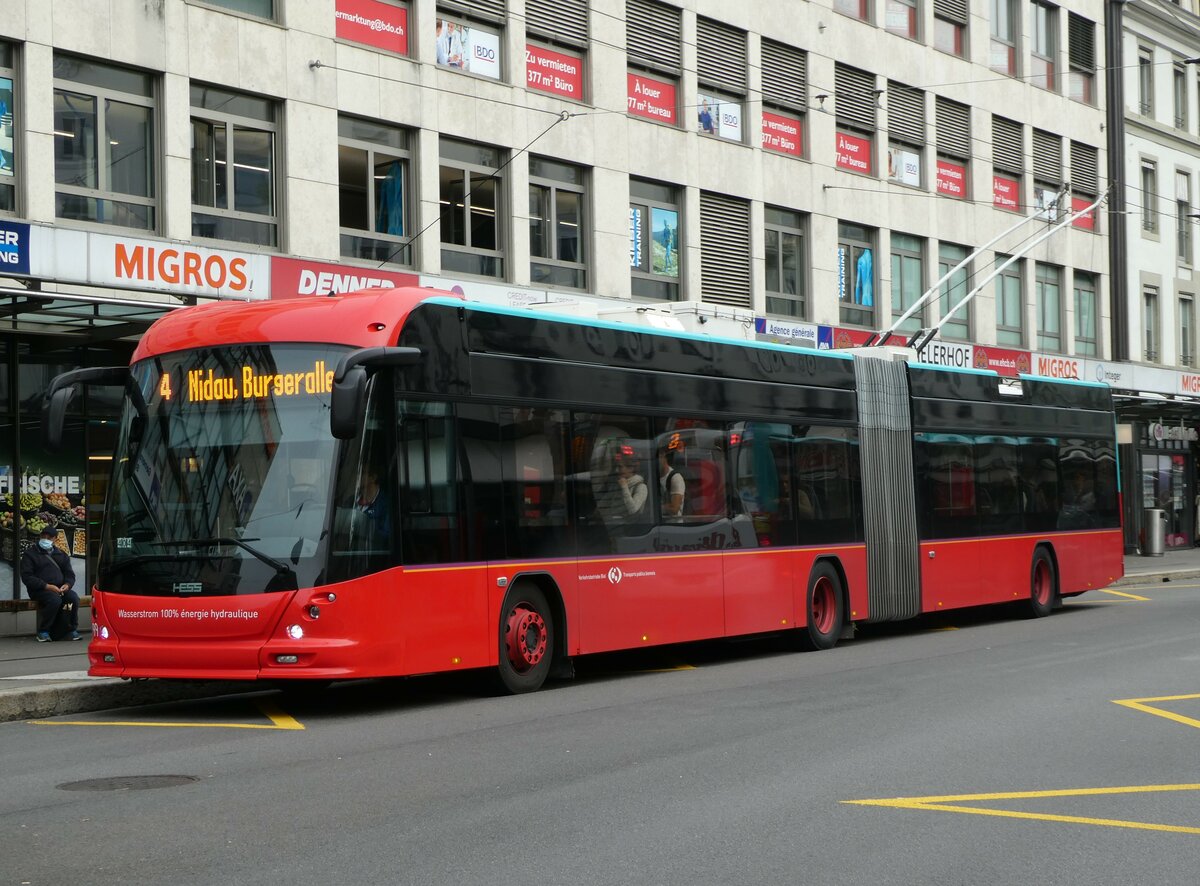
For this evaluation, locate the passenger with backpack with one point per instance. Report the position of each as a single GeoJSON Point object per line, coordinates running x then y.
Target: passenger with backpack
{"type": "Point", "coordinates": [671, 487]}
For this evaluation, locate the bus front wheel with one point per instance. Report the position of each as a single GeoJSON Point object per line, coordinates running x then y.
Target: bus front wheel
{"type": "Point", "coordinates": [1041, 584]}
{"type": "Point", "coordinates": [526, 639]}
{"type": "Point", "coordinates": [824, 609]}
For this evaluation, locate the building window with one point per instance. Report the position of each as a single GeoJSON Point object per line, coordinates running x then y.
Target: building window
{"type": "Point", "coordinates": [557, 219]}
{"type": "Point", "coordinates": [1145, 64]}
{"type": "Point", "coordinates": [724, 250]}
{"type": "Point", "coordinates": [555, 63]}
{"type": "Point", "coordinates": [1047, 173]}
{"type": "Point", "coordinates": [908, 279]}
{"type": "Point", "coordinates": [8, 136]}
{"type": "Point", "coordinates": [373, 191]}
{"type": "Point", "coordinates": [1081, 59]}
{"type": "Point", "coordinates": [906, 134]}
{"type": "Point", "coordinates": [259, 8]}
{"type": "Point", "coordinates": [721, 79]}
{"type": "Point", "coordinates": [1179, 82]}
{"type": "Point", "coordinates": [1010, 307]}
{"type": "Point", "coordinates": [655, 255]}
{"type": "Point", "coordinates": [785, 98]}
{"type": "Point", "coordinates": [1003, 55]}
{"type": "Point", "coordinates": [1149, 197]}
{"type": "Point", "coordinates": [1183, 218]}
{"type": "Point", "coordinates": [856, 101]}
{"type": "Point", "coordinates": [1085, 315]}
{"type": "Point", "coordinates": [950, 26]}
{"type": "Point", "coordinates": [856, 274]}
{"type": "Point", "coordinates": [954, 290]}
{"type": "Point", "coordinates": [901, 18]}
{"type": "Point", "coordinates": [1150, 324]}
{"type": "Point", "coordinates": [470, 190]}
{"type": "Point", "coordinates": [1008, 164]}
{"type": "Point", "coordinates": [860, 9]}
{"type": "Point", "coordinates": [233, 167]}
{"type": "Point", "coordinates": [654, 40]}
{"type": "Point", "coordinates": [1085, 183]}
{"type": "Point", "coordinates": [787, 291]}
{"type": "Point", "coordinates": [470, 47]}
{"type": "Point", "coordinates": [1048, 283]}
{"type": "Point", "coordinates": [104, 146]}
{"type": "Point", "coordinates": [1187, 325]}
{"type": "Point", "coordinates": [953, 124]}
{"type": "Point", "coordinates": [1044, 49]}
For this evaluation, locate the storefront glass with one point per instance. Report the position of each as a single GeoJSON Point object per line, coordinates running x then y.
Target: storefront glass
{"type": "Point", "coordinates": [1165, 486]}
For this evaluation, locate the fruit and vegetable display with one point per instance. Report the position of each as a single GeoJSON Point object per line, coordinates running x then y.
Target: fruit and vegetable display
{"type": "Point", "coordinates": [64, 512]}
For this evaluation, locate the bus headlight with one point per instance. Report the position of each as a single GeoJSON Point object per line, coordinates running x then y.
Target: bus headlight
{"type": "Point", "coordinates": [295, 632]}
{"type": "Point", "coordinates": [100, 631]}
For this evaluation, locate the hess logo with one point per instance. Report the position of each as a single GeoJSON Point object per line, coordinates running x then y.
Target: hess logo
{"type": "Point", "coordinates": [615, 575]}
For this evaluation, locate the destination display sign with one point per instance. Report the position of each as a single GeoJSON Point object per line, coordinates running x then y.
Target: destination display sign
{"type": "Point", "coordinates": [241, 375]}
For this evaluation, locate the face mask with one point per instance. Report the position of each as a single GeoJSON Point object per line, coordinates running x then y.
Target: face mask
{"type": "Point", "coordinates": [45, 544]}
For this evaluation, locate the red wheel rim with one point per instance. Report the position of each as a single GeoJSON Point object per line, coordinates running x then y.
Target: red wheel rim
{"type": "Point", "coordinates": [1041, 583]}
{"type": "Point", "coordinates": [525, 638]}
{"type": "Point", "coordinates": [824, 606]}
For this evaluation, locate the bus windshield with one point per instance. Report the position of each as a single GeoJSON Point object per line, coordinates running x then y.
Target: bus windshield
{"type": "Point", "coordinates": [222, 473]}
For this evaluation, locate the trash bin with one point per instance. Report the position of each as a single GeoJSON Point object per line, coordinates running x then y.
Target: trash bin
{"type": "Point", "coordinates": [1154, 529]}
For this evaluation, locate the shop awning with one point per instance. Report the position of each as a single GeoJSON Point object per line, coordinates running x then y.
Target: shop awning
{"type": "Point", "coordinates": [92, 320]}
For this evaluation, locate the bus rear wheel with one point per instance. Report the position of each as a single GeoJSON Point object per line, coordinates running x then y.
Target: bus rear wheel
{"type": "Point", "coordinates": [526, 639]}
{"type": "Point", "coordinates": [1041, 584]}
{"type": "Point", "coordinates": [824, 610]}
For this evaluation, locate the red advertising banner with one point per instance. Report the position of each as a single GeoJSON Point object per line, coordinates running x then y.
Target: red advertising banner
{"type": "Point", "coordinates": [294, 278]}
{"type": "Point", "coordinates": [652, 99]}
{"type": "Point", "coordinates": [373, 23]}
{"type": "Point", "coordinates": [853, 153]}
{"type": "Point", "coordinates": [782, 134]}
{"type": "Point", "coordinates": [849, 338]}
{"type": "Point", "coordinates": [1006, 193]}
{"type": "Point", "coordinates": [554, 72]}
{"type": "Point", "coordinates": [951, 179]}
{"type": "Point", "coordinates": [1002, 361]}
{"type": "Point", "coordinates": [1087, 221]}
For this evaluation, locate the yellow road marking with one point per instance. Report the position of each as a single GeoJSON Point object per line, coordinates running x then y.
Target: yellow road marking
{"type": "Point", "coordinates": [945, 804]}
{"type": "Point", "coordinates": [279, 720]}
{"type": "Point", "coordinates": [1139, 704]}
{"type": "Point", "coordinates": [1123, 594]}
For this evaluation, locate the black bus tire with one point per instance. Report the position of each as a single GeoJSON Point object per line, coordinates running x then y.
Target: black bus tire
{"type": "Point", "coordinates": [824, 609]}
{"type": "Point", "coordinates": [526, 635]}
{"type": "Point", "coordinates": [1042, 582]}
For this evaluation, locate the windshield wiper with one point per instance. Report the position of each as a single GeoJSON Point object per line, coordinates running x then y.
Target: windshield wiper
{"type": "Point", "coordinates": [278, 565]}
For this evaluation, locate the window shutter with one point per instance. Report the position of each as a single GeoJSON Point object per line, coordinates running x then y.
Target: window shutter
{"type": "Point", "coordinates": [784, 75]}
{"type": "Point", "coordinates": [1047, 156]}
{"type": "Point", "coordinates": [854, 97]}
{"type": "Point", "coordinates": [724, 250]}
{"type": "Point", "coordinates": [953, 128]}
{"type": "Point", "coordinates": [1081, 43]}
{"type": "Point", "coordinates": [1007, 148]}
{"type": "Point", "coordinates": [562, 21]}
{"type": "Point", "coordinates": [951, 10]}
{"type": "Point", "coordinates": [654, 35]}
{"type": "Point", "coordinates": [721, 55]}
{"type": "Point", "coordinates": [1085, 169]}
{"type": "Point", "coordinates": [906, 113]}
{"type": "Point", "coordinates": [481, 10]}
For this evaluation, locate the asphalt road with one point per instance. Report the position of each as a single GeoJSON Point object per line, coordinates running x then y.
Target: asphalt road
{"type": "Point", "coordinates": [726, 763]}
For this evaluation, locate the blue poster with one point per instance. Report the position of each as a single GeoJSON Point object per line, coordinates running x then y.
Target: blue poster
{"type": "Point", "coordinates": [14, 248]}
{"type": "Point", "coordinates": [635, 236]}
{"type": "Point", "coordinates": [824, 338]}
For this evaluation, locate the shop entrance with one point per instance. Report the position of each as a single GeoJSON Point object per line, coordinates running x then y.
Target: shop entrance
{"type": "Point", "coordinates": [1165, 485]}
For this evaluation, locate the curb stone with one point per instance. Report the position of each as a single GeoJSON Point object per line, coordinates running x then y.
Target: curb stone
{"type": "Point", "coordinates": [83, 696]}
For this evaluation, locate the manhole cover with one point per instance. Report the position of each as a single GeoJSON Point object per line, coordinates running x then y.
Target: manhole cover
{"type": "Point", "coordinates": [128, 783]}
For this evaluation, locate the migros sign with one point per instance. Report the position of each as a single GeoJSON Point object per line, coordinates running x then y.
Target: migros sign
{"type": "Point", "coordinates": [180, 267]}
{"type": "Point", "coordinates": [1057, 367]}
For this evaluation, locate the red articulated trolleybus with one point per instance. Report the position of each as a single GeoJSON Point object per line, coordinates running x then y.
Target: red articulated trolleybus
{"type": "Point", "coordinates": [402, 482]}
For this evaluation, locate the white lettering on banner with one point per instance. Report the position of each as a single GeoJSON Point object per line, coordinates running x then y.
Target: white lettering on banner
{"type": "Point", "coordinates": [44, 485]}
{"type": "Point", "coordinates": [1057, 367]}
{"type": "Point", "coordinates": [849, 151]}
{"type": "Point", "coordinates": [941, 353]}
{"type": "Point", "coordinates": [328, 282]}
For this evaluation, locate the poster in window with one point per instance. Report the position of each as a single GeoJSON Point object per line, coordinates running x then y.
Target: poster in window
{"type": "Point", "coordinates": [664, 240]}
{"type": "Point", "coordinates": [636, 224]}
{"type": "Point", "coordinates": [716, 116]}
{"type": "Point", "coordinates": [468, 49]}
{"type": "Point", "coordinates": [904, 167]}
{"type": "Point", "coordinates": [6, 127]}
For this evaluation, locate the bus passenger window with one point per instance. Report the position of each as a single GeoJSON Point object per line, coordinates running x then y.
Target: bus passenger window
{"type": "Point", "coordinates": [760, 472]}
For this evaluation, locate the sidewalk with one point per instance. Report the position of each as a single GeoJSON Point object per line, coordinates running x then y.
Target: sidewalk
{"type": "Point", "coordinates": [50, 679]}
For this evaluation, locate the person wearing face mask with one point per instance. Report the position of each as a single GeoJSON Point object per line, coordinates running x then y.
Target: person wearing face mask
{"type": "Point", "coordinates": [48, 577]}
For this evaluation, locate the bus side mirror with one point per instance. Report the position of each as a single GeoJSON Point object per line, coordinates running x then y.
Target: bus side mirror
{"type": "Point", "coordinates": [54, 415]}
{"type": "Point", "coordinates": [348, 403]}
